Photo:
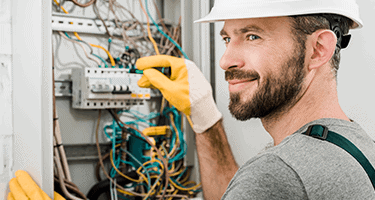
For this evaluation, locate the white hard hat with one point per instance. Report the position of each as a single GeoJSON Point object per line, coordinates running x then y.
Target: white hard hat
{"type": "Point", "coordinates": [241, 9]}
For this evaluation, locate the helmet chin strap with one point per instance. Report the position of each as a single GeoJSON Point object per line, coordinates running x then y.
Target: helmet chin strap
{"type": "Point", "coordinates": [334, 22]}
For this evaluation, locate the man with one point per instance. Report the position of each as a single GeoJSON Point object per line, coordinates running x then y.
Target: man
{"type": "Point", "coordinates": [281, 62]}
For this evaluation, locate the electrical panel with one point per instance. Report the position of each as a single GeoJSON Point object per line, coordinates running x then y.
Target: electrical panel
{"type": "Point", "coordinates": [104, 88]}
{"type": "Point", "coordinates": [95, 49]}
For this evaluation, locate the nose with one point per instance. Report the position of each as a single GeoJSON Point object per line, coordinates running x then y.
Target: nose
{"type": "Point", "coordinates": [232, 57]}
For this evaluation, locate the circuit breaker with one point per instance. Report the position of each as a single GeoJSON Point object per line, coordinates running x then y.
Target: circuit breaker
{"type": "Point", "coordinates": [103, 88]}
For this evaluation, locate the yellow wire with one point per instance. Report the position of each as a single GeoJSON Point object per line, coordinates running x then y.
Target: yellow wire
{"type": "Point", "coordinates": [140, 168]}
{"type": "Point", "coordinates": [189, 182]}
{"type": "Point", "coordinates": [177, 136]}
{"type": "Point", "coordinates": [142, 175]}
{"type": "Point", "coordinates": [184, 189]}
{"type": "Point", "coordinates": [186, 177]}
{"type": "Point", "coordinates": [153, 187]}
{"type": "Point", "coordinates": [113, 63]}
{"type": "Point", "coordinates": [175, 192]}
{"type": "Point", "coordinates": [173, 167]}
{"type": "Point", "coordinates": [149, 30]}
{"type": "Point", "coordinates": [162, 104]}
{"type": "Point", "coordinates": [161, 174]}
{"type": "Point", "coordinates": [179, 172]}
{"type": "Point", "coordinates": [189, 120]}
{"type": "Point", "coordinates": [109, 54]}
{"type": "Point", "coordinates": [118, 171]}
{"type": "Point", "coordinates": [77, 36]}
{"type": "Point", "coordinates": [154, 160]}
{"type": "Point", "coordinates": [125, 192]}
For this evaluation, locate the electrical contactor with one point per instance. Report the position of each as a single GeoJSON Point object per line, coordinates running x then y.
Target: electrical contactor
{"type": "Point", "coordinates": [103, 88]}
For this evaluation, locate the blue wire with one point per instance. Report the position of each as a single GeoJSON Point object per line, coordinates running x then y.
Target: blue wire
{"type": "Point", "coordinates": [183, 144]}
{"type": "Point", "coordinates": [142, 118]}
{"type": "Point", "coordinates": [165, 35]}
{"type": "Point", "coordinates": [134, 158]}
{"type": "Point", "coordinates": [113, 171]}
{"type": "Point", "coordinates": [127, 162]}
{"type": "Point", "coordinates": [179, 176]}
{"type": "Point", "coordinates": [122, 197]}
{"type": "Point", "coordinates": [105, 63]}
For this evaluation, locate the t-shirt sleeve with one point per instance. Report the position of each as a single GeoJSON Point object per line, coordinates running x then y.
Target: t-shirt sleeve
{"type": "Point", "coordinates": [265, 177]}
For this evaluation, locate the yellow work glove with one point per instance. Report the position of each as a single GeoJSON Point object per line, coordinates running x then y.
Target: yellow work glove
{"type": "Point", "coordinates": [23, 187]}
{"type": "Point", "coordinates": [186, 89]}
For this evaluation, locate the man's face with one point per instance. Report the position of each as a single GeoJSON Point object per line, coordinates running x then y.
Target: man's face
{"type": "Point", "coordinates": [263, 65]}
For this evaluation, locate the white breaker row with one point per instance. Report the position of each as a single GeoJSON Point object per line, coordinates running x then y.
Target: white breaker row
{"type": "Point", "coordinates": [103, 88]}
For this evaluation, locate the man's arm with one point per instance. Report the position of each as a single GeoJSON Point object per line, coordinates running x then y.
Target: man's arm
{"type": "Point", "coordinates": [216, 162]}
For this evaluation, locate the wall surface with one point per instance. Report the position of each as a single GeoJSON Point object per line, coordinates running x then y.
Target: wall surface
{"type": "Point", "coordinates": [356, 78]}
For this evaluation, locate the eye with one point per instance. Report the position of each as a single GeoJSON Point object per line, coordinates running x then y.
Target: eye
{"type": "Point", "coordinates": [226, 40]}
{"type": "Point", "coordinates": [252, 37]}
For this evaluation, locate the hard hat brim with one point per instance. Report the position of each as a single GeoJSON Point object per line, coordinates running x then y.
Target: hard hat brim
{"type": "Point", "coordinates": [221, 15]}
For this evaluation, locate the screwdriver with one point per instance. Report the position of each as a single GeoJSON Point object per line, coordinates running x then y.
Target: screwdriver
{"type": "Point", "coordinates": [165, 70]}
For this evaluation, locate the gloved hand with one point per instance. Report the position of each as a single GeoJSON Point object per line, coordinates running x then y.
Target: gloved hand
{"type": "Point", "coordinates": [24, 188]}
{"type": "Point", "coordinates": [186, 89]}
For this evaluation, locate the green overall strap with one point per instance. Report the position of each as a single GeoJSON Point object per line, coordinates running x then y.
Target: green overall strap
{"type": "Point", "coordinates": [322, 132]}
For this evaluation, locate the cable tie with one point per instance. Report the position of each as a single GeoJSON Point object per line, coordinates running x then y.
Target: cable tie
{"type": "Point", "coordinates": [54, 119]}
{"type": "Point", "coordinates": [58, 145]}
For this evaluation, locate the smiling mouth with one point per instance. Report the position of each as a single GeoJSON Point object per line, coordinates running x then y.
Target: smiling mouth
{"type": "Point", "coordinates": [234, 82]}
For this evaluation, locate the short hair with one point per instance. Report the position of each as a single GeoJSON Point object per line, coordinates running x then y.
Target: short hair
{"type": "Point", "coordinates": [303, 25]}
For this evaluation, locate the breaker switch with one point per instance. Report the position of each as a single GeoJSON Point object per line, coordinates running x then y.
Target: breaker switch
{"type": "Point", "coordinates": [101, 88]}
{"type": "Point", "coordinates": [121, 89]}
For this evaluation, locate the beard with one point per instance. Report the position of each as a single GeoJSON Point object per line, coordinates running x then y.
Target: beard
{"type": "Point", "coordinates": [275, 94]}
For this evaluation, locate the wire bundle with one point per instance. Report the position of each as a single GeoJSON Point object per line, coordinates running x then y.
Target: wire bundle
{"type": "Point", "coordinates": [161, 173]}
{"type": "Point", "coordinates": [62, 178]}
{"type": "Point", "coordinates": [142, 166]}
{"type": "Point", "coordinates": [164, 41]}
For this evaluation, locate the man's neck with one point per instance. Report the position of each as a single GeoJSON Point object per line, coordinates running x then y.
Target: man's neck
{"type": "Point", "coordinates": [314, 104]}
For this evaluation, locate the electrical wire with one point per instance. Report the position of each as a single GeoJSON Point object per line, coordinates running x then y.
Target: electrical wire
{"type": "Point", "coordinates": [113, 63]}
{"type": "Point", "coordinates": [83, 5]}
{"type": "Point", "coordinates": [119, 172]}
{"type": "Point", "coordinates": [164, 170]}
{"type": "Point", "coordinates": [189, 120]}
{"type": "Point", "coordinates": [182, 188]}
{"type": "Point", "coordinates": [149, 30]}
{"type": "Point", "coordinates": [178, 139]}
{"type": "Point", "coordinates": [162, 32]}
{"type": "Point", "coordinates": [157, 150]}
{"type": "Point", "coordinates": [93, 45]}
{"type": "Point", "coordinates": [84, 50]}
{"type": "Point", "coordinates": [141, 165]}
{"type": "Point", "coordinates": [120, 188]}
{"type": "Point", "coordinates": [71, 186]}
{"type": "Point", "coordinates": [60, 175]}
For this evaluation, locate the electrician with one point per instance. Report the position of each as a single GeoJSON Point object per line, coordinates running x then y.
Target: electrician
{"type": "Point", "coordinates": [281, 61]}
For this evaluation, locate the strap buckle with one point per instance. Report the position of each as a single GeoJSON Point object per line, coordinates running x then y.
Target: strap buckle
{"type": "Point", "coordinates": [317, 131]}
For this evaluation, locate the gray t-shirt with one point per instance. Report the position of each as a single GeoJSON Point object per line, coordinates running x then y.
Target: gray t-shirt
{"type": "Point", "coordinates": [303, 167]}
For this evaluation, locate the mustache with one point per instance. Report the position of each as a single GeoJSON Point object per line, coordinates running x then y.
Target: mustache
{"type": "Point", "coordinates": [234, 73]}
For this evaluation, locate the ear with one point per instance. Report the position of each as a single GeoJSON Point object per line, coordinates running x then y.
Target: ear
{"type": "Point", "coordinates": [323, 44]}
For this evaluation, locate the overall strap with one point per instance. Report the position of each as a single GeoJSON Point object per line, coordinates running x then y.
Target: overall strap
{"type": "Point", "coordinates": [322, 132]}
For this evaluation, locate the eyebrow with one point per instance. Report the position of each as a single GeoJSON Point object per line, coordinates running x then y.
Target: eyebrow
{"type": "Point", "coordinates": [244, 30]}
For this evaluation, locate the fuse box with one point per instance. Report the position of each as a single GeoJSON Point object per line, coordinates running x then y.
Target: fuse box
{"type": "Point", "coordinates": [103, 88]}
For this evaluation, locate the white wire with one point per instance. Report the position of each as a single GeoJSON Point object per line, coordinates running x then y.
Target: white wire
{"type": "Point", "coordinates": [114, 190]}
{"type": "Point", "coordinates": [111, 189]}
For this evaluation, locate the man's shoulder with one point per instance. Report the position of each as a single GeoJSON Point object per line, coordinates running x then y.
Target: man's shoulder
{"type": "Point", "coordinates": [265, 176]}
{"type": "Point", "coordinates": [326, 170]}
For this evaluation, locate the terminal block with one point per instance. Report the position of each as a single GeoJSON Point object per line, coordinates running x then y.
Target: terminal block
{"type": "Point", "coordinates": [103, 88]}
